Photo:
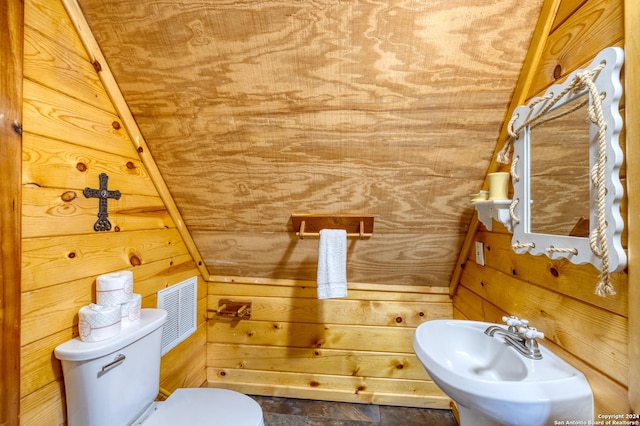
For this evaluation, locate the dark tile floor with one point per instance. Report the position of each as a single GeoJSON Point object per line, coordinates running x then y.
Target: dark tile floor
{"type": "Point", "coordinates": [300, 412]}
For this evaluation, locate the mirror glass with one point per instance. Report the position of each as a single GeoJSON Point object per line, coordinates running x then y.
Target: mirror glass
{"type": "Point", "coordinates": [559, 171]}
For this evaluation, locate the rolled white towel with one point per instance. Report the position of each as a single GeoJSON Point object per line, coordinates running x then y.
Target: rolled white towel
{"type": "Point", "coordinates": [97, 323]}
{"type": "Point", "coordinates": [114, 288]}
{"type": "Point", "coordinates": [130, 312]}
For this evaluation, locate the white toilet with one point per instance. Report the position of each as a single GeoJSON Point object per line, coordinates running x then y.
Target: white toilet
{"type": "Point", "coordinates": [115, 382]}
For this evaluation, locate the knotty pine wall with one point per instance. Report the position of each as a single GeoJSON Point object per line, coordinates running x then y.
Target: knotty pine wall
{"type": "Point", "coordinates": [71, 134]}
{"type": "Point", "coordinates": [357, 349]}
{"type": "Point", "coordinates": [557, 296]}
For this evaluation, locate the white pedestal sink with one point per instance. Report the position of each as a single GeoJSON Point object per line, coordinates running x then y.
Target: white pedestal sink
{"type": "Point", "coordinates": [493, 384]}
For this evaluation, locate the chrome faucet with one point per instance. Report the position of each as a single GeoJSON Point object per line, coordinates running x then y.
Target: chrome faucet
{"type": "Point", "coordinates": [518, 335]}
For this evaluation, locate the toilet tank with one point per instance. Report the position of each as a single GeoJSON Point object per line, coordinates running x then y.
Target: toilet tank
{"type": "Point", "coordinates": [112, 382]}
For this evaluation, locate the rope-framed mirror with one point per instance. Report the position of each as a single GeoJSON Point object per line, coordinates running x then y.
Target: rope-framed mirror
{"type": "Point", "coordinates": [551, 168]}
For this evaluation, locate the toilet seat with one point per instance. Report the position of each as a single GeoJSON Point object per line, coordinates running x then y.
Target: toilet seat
{"type": "Point", "coordinates": [206, 406]}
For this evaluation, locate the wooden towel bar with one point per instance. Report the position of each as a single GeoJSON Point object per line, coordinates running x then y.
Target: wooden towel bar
{"type": "Point", "coordinates": [307, 225]}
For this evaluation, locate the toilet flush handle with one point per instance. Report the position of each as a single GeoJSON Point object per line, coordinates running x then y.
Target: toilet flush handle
{"type": "Point", "coordinates": [119, 358]}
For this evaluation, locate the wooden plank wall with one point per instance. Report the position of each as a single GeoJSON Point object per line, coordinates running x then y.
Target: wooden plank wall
{"type": "Point", "coordinates": [72, 133]}
{"type": "Point", "coordinates": [11, 17]}
{"type": "Point", "coordinates": [557, 296]}
{"type": "Point", "coordinates": [357, 349]}
{"type": "Point", "coordinates": [255, 110]}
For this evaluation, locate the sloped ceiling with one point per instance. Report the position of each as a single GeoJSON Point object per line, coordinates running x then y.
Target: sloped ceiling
{"type": "Point", "coordinates": [257, 109]}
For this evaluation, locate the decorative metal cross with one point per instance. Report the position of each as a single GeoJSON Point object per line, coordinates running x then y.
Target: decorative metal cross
{"type": "Point", "coordinates": [103, 194]}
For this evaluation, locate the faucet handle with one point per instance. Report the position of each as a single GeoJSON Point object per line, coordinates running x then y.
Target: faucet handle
{"type": "Point", "coordinates": [514, 321]}
{"type": "Point", "coordinates": [531, 333]}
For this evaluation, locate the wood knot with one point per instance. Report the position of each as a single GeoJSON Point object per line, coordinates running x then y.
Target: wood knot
{"type": "Point", "coordinates": [130, 165]}
{"type": "Point", "coordinates": [557, 71]}
{"type": "Point", "coordinates": [17, 127]}
{"type": "Point", "coordinates": [140, 150]}
{"type": "Point", "coordinates": [222, 373]}
{"type": "Point", "coordinates": [135, 260]}
{"type": "Point", "coordinates": [82, 167]}
{"type": "Point", "coordinates": [360, 389]}
{"type": "Point", "coordinates": [115, 125]}
{"type": "Point", "coordinates": [314, 384]}
{"type": "Point", "coordinates": [71, 255]}
{"type": "Point", "coordinates": [97, 66]}
{"type": "Point", "coordinates": [398, 320]}
{"type": "Point", "coordinates": [554, 272]}
{"type": "Point", "coordinates": [68, 196]}
{"type": "Point", "coordinates": [116, 229]}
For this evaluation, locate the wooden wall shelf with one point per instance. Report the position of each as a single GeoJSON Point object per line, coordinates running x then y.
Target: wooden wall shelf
{"type": "Point", "coordinates": [307, 225]}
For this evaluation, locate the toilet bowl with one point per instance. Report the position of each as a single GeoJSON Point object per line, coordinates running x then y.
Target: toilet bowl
{"type": "Point", "coordinates": [203, 406]}
{"type": "Point", "coordinates": [115, 382]}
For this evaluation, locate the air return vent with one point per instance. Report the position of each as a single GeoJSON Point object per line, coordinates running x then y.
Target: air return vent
{"type": "Point", "coordinates": [180, 303]}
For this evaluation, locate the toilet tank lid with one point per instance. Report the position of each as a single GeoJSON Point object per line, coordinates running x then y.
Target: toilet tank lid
{"type": "Point", "coordinates": [77, 350]}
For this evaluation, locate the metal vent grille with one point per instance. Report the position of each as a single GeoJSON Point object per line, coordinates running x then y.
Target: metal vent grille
{"type": "Point", "coordinates": [180, 303]}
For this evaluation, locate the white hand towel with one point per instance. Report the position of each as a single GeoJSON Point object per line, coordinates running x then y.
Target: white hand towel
{"type": "Point", "coordinates": [332, 264]}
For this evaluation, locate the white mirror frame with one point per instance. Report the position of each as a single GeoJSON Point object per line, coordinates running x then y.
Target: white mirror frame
{"type": "Point", "coordinates": [575, 249]}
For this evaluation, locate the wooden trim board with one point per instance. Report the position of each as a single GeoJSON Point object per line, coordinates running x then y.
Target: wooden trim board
{"type": "Point", "coordinates": [632, 124]}
{"type": "Point", "coordinates": [11, 39]}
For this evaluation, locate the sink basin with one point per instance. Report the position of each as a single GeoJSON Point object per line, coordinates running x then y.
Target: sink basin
{"type": "Point", "coordinates": [493, 384]}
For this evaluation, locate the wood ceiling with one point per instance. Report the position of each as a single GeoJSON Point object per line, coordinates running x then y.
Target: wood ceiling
{"type": "Point", "coordinates": [254, 110]}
